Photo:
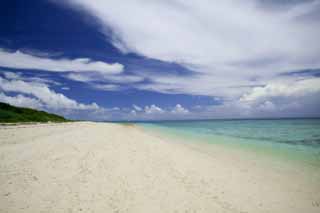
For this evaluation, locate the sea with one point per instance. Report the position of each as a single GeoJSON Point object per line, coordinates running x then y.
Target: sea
{"type": "Point", "coordinates": [294, 140]}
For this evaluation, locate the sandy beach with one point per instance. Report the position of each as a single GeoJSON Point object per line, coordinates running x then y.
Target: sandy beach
{"type": "Point", "coordinates": [104, 167]}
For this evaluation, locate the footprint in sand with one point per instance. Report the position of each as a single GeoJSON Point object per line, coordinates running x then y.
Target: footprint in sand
{"type": "Point", "coordinates": [316, 204]}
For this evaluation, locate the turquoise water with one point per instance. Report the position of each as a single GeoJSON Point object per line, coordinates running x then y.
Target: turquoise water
{"type": "Point", "coordinates": [294, 139]}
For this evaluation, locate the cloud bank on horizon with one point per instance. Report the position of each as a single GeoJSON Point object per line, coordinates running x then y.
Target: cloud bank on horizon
{"type": "Point", "coordinates": [257, 58]}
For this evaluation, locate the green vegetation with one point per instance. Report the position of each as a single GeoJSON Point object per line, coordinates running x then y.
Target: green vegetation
{"type": "Point", "coordinates": [11, 114]}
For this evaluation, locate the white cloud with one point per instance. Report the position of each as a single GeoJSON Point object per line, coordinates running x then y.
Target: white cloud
{"type": "Point", "coordinates": [286, 89]}
{"type": "Point", "coordinates": [11, 75]}
{"type": "Point", "coordinates": [49, 98]}
{"type": "Point", "coordinates": [178, 109]}
{"type": "Point", "coordinates": [267, 106]}
{"type": "Point", "coordinates": [276, 99]}
{"type": "Point", "coordinates": [20, 76]}
{"type": "Point", "coordinates": [227, 43]}
{"type": "Point", "coordinates": [105, 82]}
{"type": "Point", "coordinates": [154, 112]}
{"type": "Point", "coordinates": [21, 101]}
{"type": "Point", "coordinates": [106, 87]}
{"type": "Point", "coordinates": [286, 98]}
{"type": "Point", "coordinates": [92, 77]}
{"type": "Point", "coordinates": [123, 78]}
{"type": "Point", "coordinates": [38, 95]}
{"type": "Point", "coordinates": [153, 109]}
{"type": "Point", "coordinates": [306, 7]}
{"type": "Point", "coordinates": [136, 108]}
{"type": "Point", "coordinates": [20, 60]}
{"type": "Point", "coordinates": [197, 85]}
{"type": "Point", "coordinates": [133, 112]}
{"type": "Point", "coordinates": [78, 77]}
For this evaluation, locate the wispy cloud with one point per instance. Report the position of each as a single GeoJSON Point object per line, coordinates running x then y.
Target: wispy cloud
{"type": "Point", "coordinates": [20, 60]}
{"type": "Point", "coordinates": [106, 87]}
{"type": "Point", "coordinates": [20, 76]}
{"type": "Point", "coordinates": [136, 108]}
{"type": "Point", "coordinates": [227, 43]}
{"type": "Point", "coordinates": [96, 77]}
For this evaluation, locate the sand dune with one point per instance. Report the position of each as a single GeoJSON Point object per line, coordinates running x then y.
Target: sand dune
{"type": "Point", "coordinates": [101, 167]}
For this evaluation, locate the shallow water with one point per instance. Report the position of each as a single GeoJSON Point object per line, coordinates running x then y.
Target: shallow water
{"type": "Point", "coordinates": [296, 140]}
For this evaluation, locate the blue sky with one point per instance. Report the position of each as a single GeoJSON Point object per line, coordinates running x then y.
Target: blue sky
{"type": "Point", "coordinates": [133, 60]}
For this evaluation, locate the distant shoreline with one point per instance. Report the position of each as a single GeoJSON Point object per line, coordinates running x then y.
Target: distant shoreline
{"type": "Point", "coordinates": [213, 119]}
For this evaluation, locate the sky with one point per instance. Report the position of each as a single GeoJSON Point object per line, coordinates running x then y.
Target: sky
{"type": "Point", "coordinates": [162, 59]}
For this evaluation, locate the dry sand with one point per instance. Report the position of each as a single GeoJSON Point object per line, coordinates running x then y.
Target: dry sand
{"type": "Point", "coordinates": [100, 167]}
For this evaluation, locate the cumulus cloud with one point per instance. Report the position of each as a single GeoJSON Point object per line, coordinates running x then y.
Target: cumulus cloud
{"type": "Point", "coordinates": [178, 109]}
{"type": "Point", "coordinates": [20, 60]}
{"type": "Point", "coordinates": [21, 101]}
{"type": "Point", "coordinates": [153, 109]}
{"type": "Point", "coordinates": [276, 99]}
{"type": "Point", "coordinates": [43, 94]}
{"type": "Point", "coordinates": [286, 89]}
{"type": "Point", "coordinates": [151, 112]}
{"type": "Point", "coordinates": [285, 98]}
{"type": "Point", "coordinates": [290, 97]}
{"type": "Point", "coordinates": [19, 90]}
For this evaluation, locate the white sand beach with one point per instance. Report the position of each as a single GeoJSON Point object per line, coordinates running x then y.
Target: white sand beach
{"type": "Point", "coordinates": [104, 167]}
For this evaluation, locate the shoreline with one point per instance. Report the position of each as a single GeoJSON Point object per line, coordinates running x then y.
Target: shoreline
{"type": "Point", "coordinates": [267, 150]}
{"type": "Point", "coordinates": [109, 167]}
